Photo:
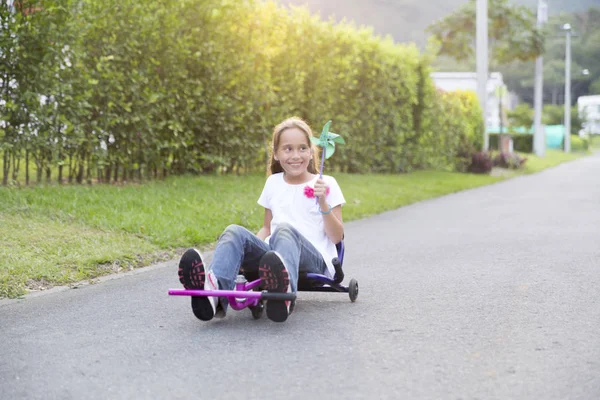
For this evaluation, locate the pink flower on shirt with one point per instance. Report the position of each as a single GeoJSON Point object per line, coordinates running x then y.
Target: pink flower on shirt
{"type": "Point", "coordinates": [310, 192]}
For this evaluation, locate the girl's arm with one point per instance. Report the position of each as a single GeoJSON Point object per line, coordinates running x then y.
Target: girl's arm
{"type": "Point", "coordinates": [333, 222]}
{"type": "Point", "coordinates": [332, 219]}
{"type": "Point", "coordinates": [266, 228]}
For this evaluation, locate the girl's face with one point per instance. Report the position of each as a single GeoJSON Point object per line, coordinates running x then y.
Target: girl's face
{"type": "Point", "coordinates": [294, 154]}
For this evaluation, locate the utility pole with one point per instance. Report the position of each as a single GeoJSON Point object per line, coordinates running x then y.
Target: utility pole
{"type": "Point", "coordinates": [482, 64]}
{"type": "Point", "coordinates": [539, 136]}
{"type": "Point", "coordinates": [567, 29]}
{"type": "Point", "coordinates": [500, 93]}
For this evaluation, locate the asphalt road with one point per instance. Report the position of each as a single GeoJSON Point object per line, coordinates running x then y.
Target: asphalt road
{"type": "Point", "coordinates": [491, 293]}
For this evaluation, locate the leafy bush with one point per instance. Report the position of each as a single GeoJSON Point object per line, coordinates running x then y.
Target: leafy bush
{"type": "Point", "coordinates": [509, 160]}
{"type": "Point", "coordinates": [522, 143]}
{"type": "Point", "coordinates": [481, 163]}
{"type": "Point", "coordinates": [453, 130]}
{"type": "Point", "coordinates": [554, 114]}
{"type": "Point", "coordinates": [579, 144]}
{"type": "Point", "coordinates": [521, 116]}
{"type": "Point", "coordinates": [184, 86]}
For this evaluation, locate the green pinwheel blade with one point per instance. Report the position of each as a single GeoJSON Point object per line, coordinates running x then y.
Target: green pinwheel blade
{"type": "Point", "coordinates": [326, 128]}
{"type": "Point", "coordinates": [329, 150]}
{"type": "Point", "coordinates": [327, 140]}
{"type": "Point", "coordinates": [334, 137]}
{"type": "Point", "coordinates": [338, 139]}
{"type": "Point", "coordinates": [324, 134]}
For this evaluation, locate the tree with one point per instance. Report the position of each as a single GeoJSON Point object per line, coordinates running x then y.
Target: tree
{"type": "Point", "coordinates": [512, 32]}
{"type": "Point", "coordinates": [554, 115]}
{"type": "Point", "coordinates": [585, 55]}
{"type": "Point", "coordinates": [521, 116]}
{"type": "Point", "coordinates": [595, 86]}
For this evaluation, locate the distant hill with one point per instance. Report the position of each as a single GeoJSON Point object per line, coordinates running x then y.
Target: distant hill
{"type": "Point", "coordinates": [406, 20]}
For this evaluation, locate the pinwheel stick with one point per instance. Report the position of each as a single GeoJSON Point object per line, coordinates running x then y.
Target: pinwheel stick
{"type": "Point", "coordinates": [327, 142]}
{"type": "Point", "coordinates": [322, 163]}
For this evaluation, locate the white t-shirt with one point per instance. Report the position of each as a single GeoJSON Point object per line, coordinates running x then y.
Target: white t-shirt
{"type": "Point", "coordinates": [288, 203]}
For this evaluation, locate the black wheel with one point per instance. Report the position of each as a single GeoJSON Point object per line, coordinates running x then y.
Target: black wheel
{"type": "Point", "coordinates": [257, 310]}
{"type": "Point", "coordinates": [353, 290]}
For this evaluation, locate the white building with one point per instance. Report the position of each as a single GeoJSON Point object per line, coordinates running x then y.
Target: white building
{"type": "Point", "coordinates": [451, 81]}
{"type": "Point", "coordinates": [589, 112]}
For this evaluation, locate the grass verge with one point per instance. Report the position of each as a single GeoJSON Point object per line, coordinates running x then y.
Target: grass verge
{"type": "Point", "coordinates": [56, 235]}
{"type": "Point", "coordinates": [552, 158]}
{"type": "Point", "coordinates": [595, 142]}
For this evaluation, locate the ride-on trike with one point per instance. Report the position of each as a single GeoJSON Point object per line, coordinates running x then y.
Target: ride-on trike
{"type": "Point", "coordinates": [247, 295]}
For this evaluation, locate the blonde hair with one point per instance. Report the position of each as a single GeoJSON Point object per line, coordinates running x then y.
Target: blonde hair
{"type": "Point", "coordinates": [293, 122]}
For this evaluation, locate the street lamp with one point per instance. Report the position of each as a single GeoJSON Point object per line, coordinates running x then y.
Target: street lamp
{"type": "Point", "coordinates": [567, 29]}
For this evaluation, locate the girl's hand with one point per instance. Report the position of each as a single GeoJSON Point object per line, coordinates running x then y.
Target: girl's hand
{"type": "Point", "coordinates": [321, 193]}
{"type": "Point", "coordinates": [332, 217]}
{"type": "Point", "coordinates": [320, 188]}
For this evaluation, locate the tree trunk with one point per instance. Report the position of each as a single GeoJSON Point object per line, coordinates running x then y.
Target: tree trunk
{"type": "Point", "coordinates": [116, 177]}
{"type": "Point", "coordinates": [27, 167]}
{"type": "Point", "coordinates": [80, 172]}
{"type": "Point", "coordinates": [15, 169]}
{"type": "Point", "coordinates": [80, 168]}
{"type": "Point", "coordinates": [39, 165]}
{"type": "Point", "coordinates": [71, 168]}
{"type": "Point", "coordinates": [48, 165]}
{"type": "Point", "coordinates": [107, 174]}
{"type": "Point", "coordinates": [88, 172]}
{"type": "Point", "coordinates": [5, 168]}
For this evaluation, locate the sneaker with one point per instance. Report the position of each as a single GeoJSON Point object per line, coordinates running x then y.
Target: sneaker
{"type": "Point", "coordinates": [275, 278]}
{"type": "Point", "coordinates": [193, 276]}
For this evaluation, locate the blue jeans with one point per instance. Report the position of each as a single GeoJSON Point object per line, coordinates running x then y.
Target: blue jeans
{"type": "Point", "coordinates": [238, 247]}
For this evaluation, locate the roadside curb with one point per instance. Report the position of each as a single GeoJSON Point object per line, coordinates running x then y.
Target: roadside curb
{"type": "Point", "coordinates": [207, 255]}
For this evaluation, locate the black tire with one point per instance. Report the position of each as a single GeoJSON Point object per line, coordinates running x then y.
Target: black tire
{"type": "Point", "coordinates": [353, 290]}
{"type": "Point", "coordinates": [257, 310]}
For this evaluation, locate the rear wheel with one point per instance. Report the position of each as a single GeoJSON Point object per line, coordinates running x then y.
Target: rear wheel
{"type": "Point", "coordinates": [257, 310]}
{"type": "Point", "coordinates": [353, 290]}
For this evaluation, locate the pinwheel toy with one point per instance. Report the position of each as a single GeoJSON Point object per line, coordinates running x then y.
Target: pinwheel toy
{"type": "Point", "coordinates": [327, 142]}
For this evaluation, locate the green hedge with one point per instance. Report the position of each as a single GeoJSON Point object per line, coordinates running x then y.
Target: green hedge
{"type": "Point", "coordinates": [579, 144]}
{"type": "Point", "coordinates": [521, 142]}
{"type": "Point", "coordinates": [179, 86]}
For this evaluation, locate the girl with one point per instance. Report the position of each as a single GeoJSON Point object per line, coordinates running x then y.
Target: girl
{"type": "Point", "coordinates": [298, 232]}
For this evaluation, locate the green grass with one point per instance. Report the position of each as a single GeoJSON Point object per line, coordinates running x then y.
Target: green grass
{"type": "Point", "coordinates": [552, 158]}
{"type": "Point", "coordinates": [39, 252]}
{"type": "Point", "coordinates": [595, 143]}
{"type": "Point", "coordinates": [56, 235]}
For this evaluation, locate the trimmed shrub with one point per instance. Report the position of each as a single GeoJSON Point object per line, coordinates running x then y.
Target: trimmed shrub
{"type": "Point", "coordinates": [184, 86]}
{"type": "Point", "coordinates": [509, 160]}
{"type": "Point", "coordinates": [481, 163]}
{"type": "Point", "coordinates": [521, 142]}
{"type": "Point", "coordinates": [453, 130]}
{"type": "Point", "coordinates": [579, 144]}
